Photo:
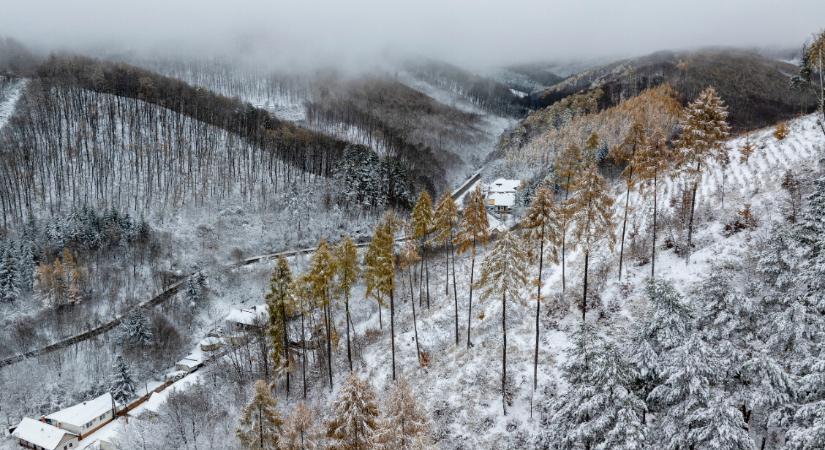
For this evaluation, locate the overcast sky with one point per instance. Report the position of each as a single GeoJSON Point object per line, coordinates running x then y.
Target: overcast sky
{"type": "Point", "coordinates": [468, 32]}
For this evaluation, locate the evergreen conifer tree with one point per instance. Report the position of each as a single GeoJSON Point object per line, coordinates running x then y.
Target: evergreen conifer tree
{"type": "Point", "coordinates": [277, 300]}
{"type": "Point", "coordinates": [9, 290]}
{"type": "Point", "coordinates": [122, 385]}
{"type": "Point", "coordinates": [422, 226]}
{"type": "Point", "coordinates": [567, 169]}
{"type": "Point", "coordinates": [405, 425]}
{"type": "Point", "coordinates": [321, 273]}
{"type": "Point", "coordinates": [299, 429]}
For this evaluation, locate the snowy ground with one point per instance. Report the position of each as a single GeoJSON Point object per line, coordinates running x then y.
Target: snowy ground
{"type": "Point", "coordinates": [8, 99]}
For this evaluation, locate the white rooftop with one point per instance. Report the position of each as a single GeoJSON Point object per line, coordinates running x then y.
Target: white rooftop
{"type": "Point", "coordinates": [83, 412]}
{"type": "Point", "coordinates": [501, 199]}
{"type": "Point", "coordinates": [39, 433]}
{"type": "Point", "coordinates": [253, 315]}
{"type": "Point", "coordinates": [504, 185]}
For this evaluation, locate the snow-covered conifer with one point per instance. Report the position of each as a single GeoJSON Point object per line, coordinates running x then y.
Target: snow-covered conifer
{"type": "Point", "coordinates": [9, 282]}
{"type": "Point", "coordinates": [346, 274]}
{"type": "Point", "coordinates": [422, 226]}
{"type": "Point", "coordinates": [445, 219]}
{"type": "Point", "coordinates": [355, 415]}
{"type": "Point", "coordinates": [405, 425]}
{"type": "Point", "coordinates": [567, 168]}
{"type": "Point", "coordinates": [280, 291]}
{"type": "Point", "coordinates": [474, 230]}
{"type": "Point", "coordinates": [299, 429]}
{"type": "Point", "coordinates": [122, 385]}
{"type": "Point", "coordinates": [504, 273]}
{"type": "Point", "coordinates": [261, 425]}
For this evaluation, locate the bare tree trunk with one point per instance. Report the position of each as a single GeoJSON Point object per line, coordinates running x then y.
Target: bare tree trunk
{"type": "Point", "coordinates": [690, 221]}
{"type": "Point", "coordinates": [304, 348]}
{"type": "Point", "coordinates": [504, 353]}
{"type": "Point", "coordinates": [329, 344]}
{"type": "Point", "coordinates": [653, 248]}
{"type": "Point", "coordinates": [415, 322]}
{"type": "Point", "coordinates": [624, 227]}
{"type": "Point", "coordinates": [584, 293]}
{"type": "Point", "coordinates": [470, 305]}
{"type": "Point", "coordinates": [392, 331]}
{"type": "Point", "coordinates": [349, 350]}
{"type": "Point", "coordinates": [538, 314]}
{"type": "Point", "coordinates": [455, 289]}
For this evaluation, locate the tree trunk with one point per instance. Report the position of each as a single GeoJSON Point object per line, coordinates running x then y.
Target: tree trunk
{"type": "Point", "coordinates": [392, 331]}
{"type": "Point", "coordinates": [304, 348]}
{"type": "Point", "coordinates": [286, 348]}
{"type": "Point", "coordinates": [692, 209]}
{"type": "Point", "coordinates": [427, 272]}
{"type": "Point", "coordinates": [504, 354]}
{"type": "Point", "coordinates": [455, 290]}
{"type": "Point", "coordinates": [584, 293]}
{"type": "Point", "coordinates": [624, 228]}
{"type": "Point", "coordinates": [653, 248]}
{"type": "Point", "coordinates": [538, 314]}
{"type": "Point", "coordinates": [415, 323]}
{"type": "Point", "coordinates": [329, 345]}
{"type": "Point", "coordinates": [470, 305]}
{"type": "Point", "coordinates": [349, 351]}
{"type": "Point", "coordinates": [380, 320]}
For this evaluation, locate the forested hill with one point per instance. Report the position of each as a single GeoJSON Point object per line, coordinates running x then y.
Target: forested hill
{"type": "Point", "coordinates": [758, 89]}
{"type": "Point", "coordinates": [311, 151]}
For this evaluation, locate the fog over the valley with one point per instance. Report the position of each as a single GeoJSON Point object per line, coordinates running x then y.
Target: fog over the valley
{"type": "Point", "coordinates": [468, 32]}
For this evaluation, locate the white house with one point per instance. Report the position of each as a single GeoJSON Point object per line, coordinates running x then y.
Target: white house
{"type": "Point", "coordinates": [86, 417]}
{"type": "Point", "coordinates": [501, 194]}
{"type": "Point", "coordinates": [242, 319]}
{"type": "Point", "coordinates": [38, 435]}
{"type": "Point", "coordinates": [190, 362]}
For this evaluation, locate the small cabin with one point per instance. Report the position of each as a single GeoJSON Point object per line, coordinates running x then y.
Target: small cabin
{"type": "Point", "coordinates": [190, 362]}
{"type": "Point", "coordinates": [501, 195]}
{"type": "Point", "coordinates": [39, 435]}
{"type": "Point", "coordinates": [211, 344]}
{"type": "Point", "coordinates": [84, 418]}
{"type": "Point", "coordinates": [244, 319]}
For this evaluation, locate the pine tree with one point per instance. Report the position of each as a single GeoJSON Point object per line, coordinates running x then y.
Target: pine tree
{"type": "Point", "coordinates": [299, 429]}
{"type": "Point", "coordinates": [422, 225]}
{"type": "Point", "coordinates": [355, 418]}
{"type": "Point", "coordinates": [372, 273]}
{"type": "Point", "coordinates": [568, 167]}
{"type": "Point", "coordinates": [781, 131]}
{"type": "Point", "coordinates": [346, 264]}
{"type": "Point", "coordinates": [651, 162]}
{"type": "Point", "coordinates": [192, 294]}
{"type": "Point", "coordinates": [446, 218]}
{"type": "Point", "coordinates": [746, 150]}
{"type": "Point", "coordinates": [9, 290]}
{"type": "Point", "coordinates": [544, 222]}
{"type": "Point", "coordinates": [807, 430]}
{"type": "Point", "coordinates": [704, 130]}
{"type": "Point", "coordinates": [405, 425]}
{"type": "Point", "coordinates": [135, 330]}
{"type": "Point", "coordinates": [406, 261]}
{"type": "Point", "coordinates": [261, 425]}
{"type": "Point", "coordinates": [474, 230]}
{"type": "Point", "coordinates": [302, 301]}
{"type": "Point", "coordinates": [628, 153]}
{"type": "Point", "coordinates": [277, 300]}
{"type": "Point", "coordinates": [122, 386]}
{"type": "Point", "coordinates": [593, 215]}
{"type": "Point", "coordinates": [504, 272]}
{"type": "Point", "coordinates": [321, 273]}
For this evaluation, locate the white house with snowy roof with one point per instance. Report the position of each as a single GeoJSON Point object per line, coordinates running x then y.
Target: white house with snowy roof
{"type": "Point", "coordinates": [501, 194]}
{"type": "Point", "coordinates": [86, 417]}
{"type": "Point", "coordinates": [39, 435]}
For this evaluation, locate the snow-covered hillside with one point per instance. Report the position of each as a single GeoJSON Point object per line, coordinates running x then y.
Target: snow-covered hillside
{"type": "Point", "coordinates": [10, 92]}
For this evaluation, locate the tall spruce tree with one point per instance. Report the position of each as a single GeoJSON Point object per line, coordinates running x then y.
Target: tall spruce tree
{"type": "Point", "coordinates": [446, 219]}
{"type": "Point", "coordinates": [277, 301]}
{"type": "Point", "coordinates": [504, 272]}
{"type": "Point", "coordinates": [347, 271]}
{"type": "Point", "coordinates": [9, 290]}
{"type": "Point", "coordinates": [261, 425]}
{"type": "Point", "coordinates": [704, 130]}
{"type": "Point", "coordinates": [593, 214]}
{"type": "Point", "coordinates": [474, 230]}
{"type": "Point", "coordinates": [355, 415]}
{"type": "Point", "coordinates": [122, 386]}
{"type": "Point", "coordinates": [543, 221]}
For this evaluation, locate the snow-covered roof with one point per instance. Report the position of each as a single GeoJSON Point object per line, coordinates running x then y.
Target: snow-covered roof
{"type": "Point", "coordinates": [501, 199]}
{"type": "Point", "coordinates": [504, 185]}
{"type": "Point", "coordinates": [253, 315]}
{"type": "Point", "coordinates": [211, 340]}
{"type": "Point", "coordinates": [83, 413]}
{"type": "Point", "coordinates": [39, 433]}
